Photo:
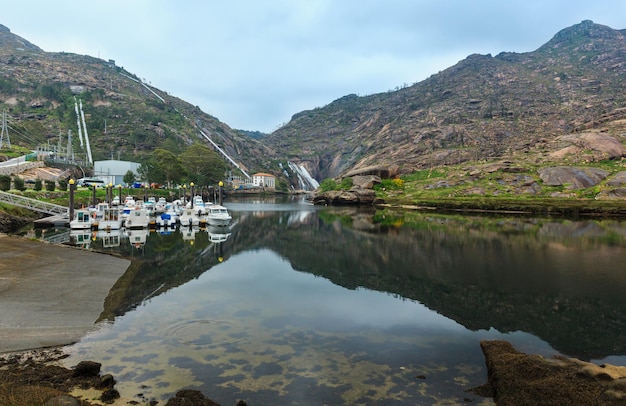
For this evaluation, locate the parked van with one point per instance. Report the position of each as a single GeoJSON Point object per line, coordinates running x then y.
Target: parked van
{"type": "Point", "coordinates": [90, 182]}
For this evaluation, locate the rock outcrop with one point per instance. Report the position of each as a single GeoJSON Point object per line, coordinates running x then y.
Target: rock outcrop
{"type": "Point", "coordinates": [572, 177]}
{"type": "Point", "coordinates": [515, 378]}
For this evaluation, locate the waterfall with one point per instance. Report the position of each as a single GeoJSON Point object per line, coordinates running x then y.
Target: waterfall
{"type": "Point", "coordinates": [306, 181]}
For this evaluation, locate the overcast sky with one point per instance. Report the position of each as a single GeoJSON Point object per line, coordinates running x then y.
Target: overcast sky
{"type": "Point", "coordinates": [255, 63]}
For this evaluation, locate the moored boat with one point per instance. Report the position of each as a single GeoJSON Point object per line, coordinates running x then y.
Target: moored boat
{"type": "Point", "coordinates": [218, 215]}
{"type": "Point", "coordinates": [83, 220]}
{"type": "Point", "coordinates": [137, 218]}
{"type": "Point", "coordinates": [189, 218]}
{"type": "Point", "coordinates": [111, 219]}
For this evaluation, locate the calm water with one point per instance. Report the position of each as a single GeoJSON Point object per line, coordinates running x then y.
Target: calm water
{"type": "Point", "coordinates": [301, 305]}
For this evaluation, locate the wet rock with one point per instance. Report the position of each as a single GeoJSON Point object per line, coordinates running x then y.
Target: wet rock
{"type": "Point", "coordinates": [106, 381]}
{"type": "Point", "coordinates": [62, 401]}
{"type": "Point", "coordinates": [87, 369]}
{"type": "Point", "coordinates": [190, 397]}
{"type": "Point", "coordinates": [109, 395]}
{"type": "Point", "coordinates": [516, 378]}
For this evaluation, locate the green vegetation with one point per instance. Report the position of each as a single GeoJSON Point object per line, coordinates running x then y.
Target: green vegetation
{"type": "Point", "coordinates": [5, 182]}
{"type": "Point", "coordinates": [483, 187]}
{"type": "Point", "coordinates": [331, 184]}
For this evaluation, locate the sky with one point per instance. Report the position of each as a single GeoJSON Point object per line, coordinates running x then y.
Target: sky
{"type": "Point", "coordinates": [254, 63]}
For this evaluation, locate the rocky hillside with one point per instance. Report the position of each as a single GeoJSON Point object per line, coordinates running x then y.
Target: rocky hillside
{"type": "Point", "coordinates": [125, 116]}
{"type": "Point", "coordinates": [563, 103]}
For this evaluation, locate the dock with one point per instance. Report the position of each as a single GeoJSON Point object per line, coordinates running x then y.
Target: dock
{"type": "Point", "coordinates": [52, 221]}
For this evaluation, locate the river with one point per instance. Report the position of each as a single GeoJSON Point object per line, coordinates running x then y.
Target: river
{"type": "Point", "coordinates": [305, 305]}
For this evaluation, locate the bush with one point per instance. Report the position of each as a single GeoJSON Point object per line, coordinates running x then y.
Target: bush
{"type": "Point", "coordinates": [50, 185]}
{"type": "Point", "coordinates": [328, 185]}
{"type": "Point", "coordinates": [5, 182]}
{"type": "Point", "coordinates": [346, 183]}
{"type": "Point", "coordinates": [37, 186]}
{"type": "Point", "coordinates": [19, 184]}
{"type": "Point", "coordinates": [63, 184]}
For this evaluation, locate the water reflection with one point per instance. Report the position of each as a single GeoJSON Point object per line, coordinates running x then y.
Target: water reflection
{"type": "Point", "coordinates": [302, 305]}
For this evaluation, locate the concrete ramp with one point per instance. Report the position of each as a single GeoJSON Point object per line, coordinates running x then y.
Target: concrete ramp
{"type": "Point", "coordinates": [51, 295]}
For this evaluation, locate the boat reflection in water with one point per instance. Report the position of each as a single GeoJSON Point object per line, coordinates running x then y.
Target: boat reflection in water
{"type": "Point", "coordinates": [301, 305]}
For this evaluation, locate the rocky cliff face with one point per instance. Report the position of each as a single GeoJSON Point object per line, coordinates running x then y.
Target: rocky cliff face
{"type": "Point", "coordinates": [513, 106]}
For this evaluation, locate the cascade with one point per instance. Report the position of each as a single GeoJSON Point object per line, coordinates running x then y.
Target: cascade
{"type": "Point", "coordinates": [306, 181]}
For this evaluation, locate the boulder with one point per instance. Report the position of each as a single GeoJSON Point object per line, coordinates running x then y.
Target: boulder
{"type": "Point", "coordinates": [618, 193]}
{"type": "Point", "coordinates": [366, 182]}
{"type": "Point", "coordinates": [619, 179]}
{"type": "Point", "coordinates": [382, 171]}
{"type": "Point", "coordinates": [354, 196]}
{"type": "Point", "coordinates": [572, 177]}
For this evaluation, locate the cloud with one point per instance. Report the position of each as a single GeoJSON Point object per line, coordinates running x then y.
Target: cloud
{"type": "Point", "coordinates": [254, 64]}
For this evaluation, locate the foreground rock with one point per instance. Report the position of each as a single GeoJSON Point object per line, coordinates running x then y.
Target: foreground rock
{"type": "Point", "coordinates": [355, 196]}
{"type": "Point", "coordinates": [517, 379]}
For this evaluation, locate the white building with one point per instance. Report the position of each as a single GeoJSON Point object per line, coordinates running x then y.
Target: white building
{"type": "Point", "coordinates": [112, 171]}
{"type": "Point", "coordinates": [264, 180]}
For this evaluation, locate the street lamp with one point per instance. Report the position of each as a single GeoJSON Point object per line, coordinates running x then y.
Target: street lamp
{"type": "Point", "coordinates": [71, 182]}
{"type": "Point", "coordinates": [191, 184]}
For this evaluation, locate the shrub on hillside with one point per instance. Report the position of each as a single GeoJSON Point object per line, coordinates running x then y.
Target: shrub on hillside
{"type": "Point", "coordinates": [63, 184]}
{"type": "Point", "coordinates": [5, 182]}
{"type": "Point", "coordinates": [18, 184]}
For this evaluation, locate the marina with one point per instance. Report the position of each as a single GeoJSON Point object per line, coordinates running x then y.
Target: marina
{"type": "Point", "coordinates": [139, 214]}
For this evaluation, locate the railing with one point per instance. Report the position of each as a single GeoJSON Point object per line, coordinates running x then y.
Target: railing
{"type": "Point", "coordinates": [33, 204]}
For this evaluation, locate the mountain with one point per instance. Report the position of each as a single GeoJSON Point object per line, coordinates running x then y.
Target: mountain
{"type": "Point", "coordinates": [511, 106]}
{"type": "Point", "coordinates": [560, 104]}
{"type": "Point", "coordinates": [126, 117]}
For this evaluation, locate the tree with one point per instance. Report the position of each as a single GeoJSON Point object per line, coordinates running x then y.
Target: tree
{"type": "Point", "coordinates": [129, 177]}
{"type": "Point", "coordinates": [37, 186]}
{"type": "Point", "coordinates": [203, 165]}
{"type": "Point", "coordinates": [169, 165]}
{"type": "Point", "coordinates": [50, 185]}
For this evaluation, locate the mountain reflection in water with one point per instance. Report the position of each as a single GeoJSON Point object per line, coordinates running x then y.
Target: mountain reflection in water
{"type": "Point", "coordinates": [307, 305]}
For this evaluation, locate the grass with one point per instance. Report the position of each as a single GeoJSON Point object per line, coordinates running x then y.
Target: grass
{"type": "Point", "coordinates": [478, 187]}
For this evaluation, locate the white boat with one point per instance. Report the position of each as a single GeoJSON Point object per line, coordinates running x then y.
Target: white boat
{"type": "Point", "coordinates": [166, 220]}
{"type": "Point", "coordinates": [198, 205]}
{"type": "Point", "coordinates": [218, 215]}
{"type": "Point", "coordinates": [111, 219]}
{"type": "Point", "coordinates": [83, 220]}
{"type": "Point", "coordinates": [137, 218]}
{"type": "Point", "coordinates": [160, 206]}
{"type": "Point", "coordinates": [189, 217]}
